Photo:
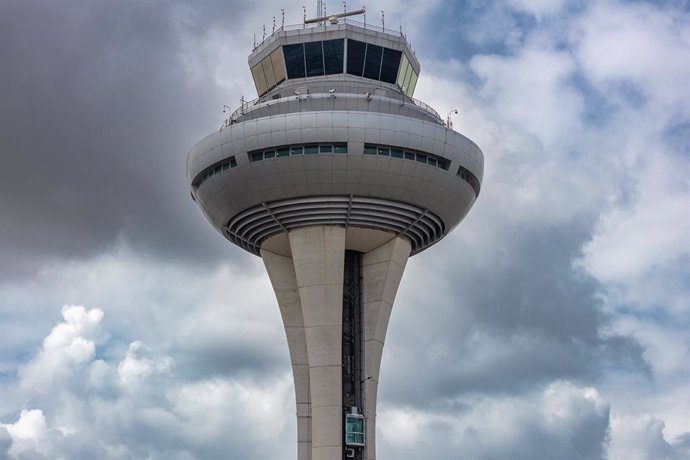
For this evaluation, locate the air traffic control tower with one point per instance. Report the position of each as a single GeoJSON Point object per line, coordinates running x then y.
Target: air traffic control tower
{"type": "Point", "coordinates": [334, 176]}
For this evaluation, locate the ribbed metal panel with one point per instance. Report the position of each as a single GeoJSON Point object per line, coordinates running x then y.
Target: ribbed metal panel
{"type": "Point", "coordinates": [250, 227]}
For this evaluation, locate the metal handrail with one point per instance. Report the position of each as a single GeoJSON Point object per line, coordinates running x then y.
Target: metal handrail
{"type": "Point", "coordinates": [363, 25]}
{"type": "Point", "coordinates": [249, 106]}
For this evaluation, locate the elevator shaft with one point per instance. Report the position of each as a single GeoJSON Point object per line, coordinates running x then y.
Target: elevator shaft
{"type": "Point", "coordinates": [352, 340]}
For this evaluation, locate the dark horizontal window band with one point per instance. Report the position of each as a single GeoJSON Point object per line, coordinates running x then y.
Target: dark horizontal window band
{"type": "Point", "coordinates": [466, 175]}
{"type": "Point", "coordinates": [214, 170]}
{"type": "Point", "coordinates": [407, 154]}
{"type": "Point", "coordinates": [293, 150]}
{"type": "Point", "coordinates": [422, 157]}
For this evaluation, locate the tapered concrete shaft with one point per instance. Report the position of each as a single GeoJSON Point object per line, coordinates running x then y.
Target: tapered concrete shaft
{"type": "Point", "coordinates": [308, 283]}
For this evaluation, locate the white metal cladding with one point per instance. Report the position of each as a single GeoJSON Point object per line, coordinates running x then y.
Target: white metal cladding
{"type": "Point", "coordinates": [252, 226]}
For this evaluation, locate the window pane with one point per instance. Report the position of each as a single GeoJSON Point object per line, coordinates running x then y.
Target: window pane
{"type": "Point", "coordinates": [278, 65]}
{"type": "Point", "coordinates": [355, 57]}
{"type": "Point", "coordinates": [314, 58]}
{"type": "Point", "coordinates": [340, 148]}
{"type": "Point", "coordinates": [257, 156]}
{"type": "Point", "coordinates": [443, 164]}
{"type": "Point", "coordinates": [409, 156]}
{"type": "Point", "coordinates": [389, 67]}
{"type": "Point", "coordinates": [269, 154]}
{"type": "Point", "coordinates": [396, 153]}
{"type": "Point", "coordinates": [372, 63]}
{"type": "Point", "coordinates": [310, 149]}
{"type": "Point", "coordinates": [326, 149]}
{"type": "Point", "coordinates": [233, 162]}
{"type": "Point", "coordinates": [226, 166]}
{"type": "Point", "coordinates": [431, 161]}
{"type": "Point", "coordinates": [404, 67]}
{"type": "Point", "coordinates": [369, 149]}
{"type": "Point", "coordinates": [293, 151]}
{"type": "Point", "coordinates": [410, 72]}
{"type": "Point", "coordinates": [282, 152]}
{"type": "Point", "coordinates": [421, 158]}
{"type": "Point", "coordinates": [384, 152]}
{"type": "Point", "coordinates": [259, 81]}
{"type": "Point", "coordinates": [294, 60]}
{"type": "Point", "coordinates": [217, 169]}
{"type": "Point", "coordinates": [268, 72]}
{"type": "Point", "coordinates": [333, 56]}
{"type": "Point", "coordinates": [413, 84]}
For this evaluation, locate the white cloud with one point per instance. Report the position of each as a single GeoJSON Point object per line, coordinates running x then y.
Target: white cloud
{"type": "Point", "coordinates": [70, 345]}
{"type": "Point", "coordinates": [563, 421]}
{"type": "Point", "coordinates": [642, 438]}
{"type": "Point", "coordinates": [538, 8]}
{"type": "Point", "coordinates": [638, 43]}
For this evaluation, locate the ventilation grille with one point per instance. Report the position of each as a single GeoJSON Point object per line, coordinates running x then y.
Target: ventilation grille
{"type": "Point", "coordinates": [251, 227]}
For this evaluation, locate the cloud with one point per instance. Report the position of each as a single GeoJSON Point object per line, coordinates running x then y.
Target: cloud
{"type": "Point", "coordinates": [70, 345]}
{"type": "Point", "coordinates": [641, 438]}
{"type": "Point", "coordinates": [562, 421]}
{"type": "Point", "coordinates": [134, 404]}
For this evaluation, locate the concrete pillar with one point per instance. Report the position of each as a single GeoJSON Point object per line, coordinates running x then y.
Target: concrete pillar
{"type": "Point", "coordinates": [382, 270]}
{"type": "Point", "coordinates": [281, 272]}
{"type": "Point", "coordinates": [306, 271]}
{"type": "Point", "coordinates": [318, 255]}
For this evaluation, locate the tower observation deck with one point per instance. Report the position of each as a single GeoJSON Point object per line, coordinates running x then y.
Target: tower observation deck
{"type": "Point", "coordinates": [334, 176]}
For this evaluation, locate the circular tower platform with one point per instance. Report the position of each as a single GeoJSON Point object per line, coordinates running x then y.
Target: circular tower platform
{"type": "Point", "coordinates": [340, 148]}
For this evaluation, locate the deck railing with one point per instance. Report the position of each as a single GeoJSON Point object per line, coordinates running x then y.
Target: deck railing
{"type": "Point", "coordinates": [249, 106]}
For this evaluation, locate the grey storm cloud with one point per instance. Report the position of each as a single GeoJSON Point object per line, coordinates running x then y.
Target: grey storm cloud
{"type": "Point", "coordinates": [95, 125]}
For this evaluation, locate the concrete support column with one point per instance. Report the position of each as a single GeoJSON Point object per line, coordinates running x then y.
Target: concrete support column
{"type": "Point", "coordinates": [318, 257]}
{"type": "Point", "coordinates": [382, 270]}
{"type": "Point", "coordinates": [281, 272]}
{"type": "Point", "coordinates": [306, 271]}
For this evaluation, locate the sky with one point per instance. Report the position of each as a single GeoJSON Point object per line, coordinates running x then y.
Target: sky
{"type": "Point", "coordinates": [553, 323]}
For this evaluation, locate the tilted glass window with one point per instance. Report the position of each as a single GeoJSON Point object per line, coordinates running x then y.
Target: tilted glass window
{"type": "Point", "coordinates": [259, 80]}
{"type": "Point", "coordinates": [313, 55]}
{"type": "Point", "coordinates": [413, 83]}
{"type": "Point", "coordinates": [314, 58]}
{"type": "Point", "coordinates": [333, 54]}
{"type": "Point", "coordinates": [355, 57]}
{"type": "Point", "coordinates": [294, 60]}
{"type": "Point", "coordinates": [278, 65]}
{"type": "Point", "coordinates": [390, 65]}
{"type": "Point", "coordinates": [404, 68]}
{"type": "Point", "coordinates": [268, 73]}
{"type": "Point", "coordinates": [372, 62]}
{"type": "Point", "coordinates": [408, 78]}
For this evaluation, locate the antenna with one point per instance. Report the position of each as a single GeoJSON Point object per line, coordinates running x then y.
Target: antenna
{"type": "Point", "coordinates": [449, 123]}
{"type": "Point", "coordinates": [334, 17]}
{"type": "Point", "coordinates": [274, 25]}
{"type": "Point", "coordinates": [304, 23]}
{"type": "Point", "coordinates": [282, 23]}
{"type": "Point", "coordinates": [264, 39]}
{"type": "Point", "coordinates": [383, 22]}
